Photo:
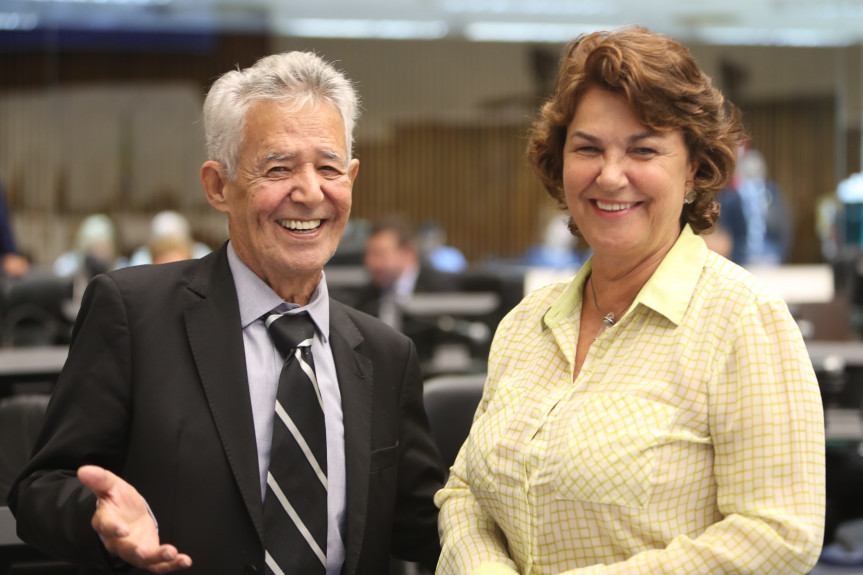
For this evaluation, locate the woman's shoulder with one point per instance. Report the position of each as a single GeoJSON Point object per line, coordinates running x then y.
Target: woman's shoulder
{"type": "Point", "coordinates": [724, 276]}
{"type": "Point", "coordinates": [534, 305]}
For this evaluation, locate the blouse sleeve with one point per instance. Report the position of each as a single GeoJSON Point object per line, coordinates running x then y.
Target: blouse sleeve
{"type": "Point", "coordinates": [472, 543]}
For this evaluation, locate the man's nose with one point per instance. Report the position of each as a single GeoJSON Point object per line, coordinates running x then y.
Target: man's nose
{"type": "Point", "coordinates": [307, 186]}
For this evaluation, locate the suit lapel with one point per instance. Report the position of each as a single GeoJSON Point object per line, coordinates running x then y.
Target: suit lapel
{"type": "Point", "coordinates": [355, 375]}
{"type": "Point", "coordinates": [215, 336]}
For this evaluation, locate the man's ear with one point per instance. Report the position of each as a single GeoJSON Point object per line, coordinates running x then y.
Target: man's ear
{"type": "Point", "coordinates": [214, 180]}
{"type": "Point", "coordinates": [353, 169]}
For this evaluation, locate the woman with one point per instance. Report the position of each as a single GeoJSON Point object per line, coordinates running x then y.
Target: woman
{"type": "Point", "coordinates": [658, 413]}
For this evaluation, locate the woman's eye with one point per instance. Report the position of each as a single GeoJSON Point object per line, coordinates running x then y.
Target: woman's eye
{"type": "Point", "coordinates": [644, 151]}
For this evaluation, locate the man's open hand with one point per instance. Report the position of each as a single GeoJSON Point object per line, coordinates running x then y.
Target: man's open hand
{"type": "Point", "coordinates": [125, 524]}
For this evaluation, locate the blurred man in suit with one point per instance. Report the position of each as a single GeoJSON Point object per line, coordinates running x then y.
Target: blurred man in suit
{"type": "Point", "coordinates": [397, 272]}
{"type": "Point", "coordinates": [164, 413]}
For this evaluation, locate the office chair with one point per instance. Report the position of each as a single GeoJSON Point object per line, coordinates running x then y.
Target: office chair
{"type": "Point", "coordinates": [37, 311]}
{"type": "Point", "coordinates": [20, 421]}
{"type": "Point", "coordinates": [450, 403]}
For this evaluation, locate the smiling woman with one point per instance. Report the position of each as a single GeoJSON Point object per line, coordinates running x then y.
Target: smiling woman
{"type": "Point", "coordinates": [658, 413]}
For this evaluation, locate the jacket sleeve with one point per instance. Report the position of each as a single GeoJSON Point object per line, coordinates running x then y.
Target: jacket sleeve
{"type": "Point", "coordinates": [86, 423]}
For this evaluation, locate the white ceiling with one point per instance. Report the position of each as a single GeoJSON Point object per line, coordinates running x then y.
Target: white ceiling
{"type": "Point", "coordinates": [780, 22]}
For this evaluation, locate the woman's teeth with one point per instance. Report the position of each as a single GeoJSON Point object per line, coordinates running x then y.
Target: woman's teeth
{"type": "Point", "coordinates": [613, 207]}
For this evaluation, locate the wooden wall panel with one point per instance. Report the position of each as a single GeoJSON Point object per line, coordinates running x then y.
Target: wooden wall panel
{"type": "Point", "coordinates": [474, 181]}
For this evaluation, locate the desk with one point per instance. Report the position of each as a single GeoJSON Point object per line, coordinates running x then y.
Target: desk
{"type": "Point", "coordinates": [28, 364]}
{"type": "Point", "coordinates": [850, 351]}
{"type": "Point", "coordinates": [7, 528]}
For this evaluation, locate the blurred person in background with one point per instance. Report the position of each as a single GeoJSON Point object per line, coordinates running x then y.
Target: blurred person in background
{"type": "Point", "coordinates": [659, 412]}
{"type": "Point", "coordinates": [431, 241]}
{"type": "Point", "coordinates": [168, 228]}
{"type": "Point", "coordinates": [755, 214]}
{"type": "Point", "coordinates": [170, 249]}
{"type": "Point", "coordinates": [94, 251]}
{"type": "Point", "coordinates": [13, 263]}
{"type": "Point", "coordinates": [392, 260]}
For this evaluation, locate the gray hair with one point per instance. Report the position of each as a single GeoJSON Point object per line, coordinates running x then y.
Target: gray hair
{"type": "Point", "coordinates": [295, 78]}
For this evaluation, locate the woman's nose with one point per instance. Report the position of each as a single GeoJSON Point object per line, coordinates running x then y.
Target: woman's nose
{"type": "Point", "coordinates": [612, 174]}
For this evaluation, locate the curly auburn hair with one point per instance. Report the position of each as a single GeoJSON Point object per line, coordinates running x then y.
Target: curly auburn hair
{"type": "Point", "coordinates": [666, 91]}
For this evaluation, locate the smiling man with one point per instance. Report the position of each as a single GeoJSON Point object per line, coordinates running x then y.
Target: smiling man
{"type": "Point", "coordinates": [173, 440]}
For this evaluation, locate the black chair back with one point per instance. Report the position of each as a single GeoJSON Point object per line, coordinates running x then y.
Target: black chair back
{"type": "Point", "coordinates": [450, 402]}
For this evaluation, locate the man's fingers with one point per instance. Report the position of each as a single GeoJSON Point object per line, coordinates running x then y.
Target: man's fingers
{"type": "Point", "coordinates": [157, 559]}
{"type": "Point", "coordinates": [170, 567]}
{"type": "Point", "coordinates": [100, 480]}
{"type": "Point", "coordinates": [162, 559]}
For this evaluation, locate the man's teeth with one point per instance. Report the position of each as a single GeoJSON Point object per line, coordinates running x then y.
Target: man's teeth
{"type": "Point", "coordinates": [613, 207]}
{"type": "Point", "coordinates": [301, 226]}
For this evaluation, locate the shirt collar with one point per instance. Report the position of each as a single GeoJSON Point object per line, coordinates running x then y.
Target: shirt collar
{"type": "Point", "coordinates": [404, 284]}
{"type": "Point", "coordinates": [256, 298]}
{"type": "Point", "coordinates": [668, 291]}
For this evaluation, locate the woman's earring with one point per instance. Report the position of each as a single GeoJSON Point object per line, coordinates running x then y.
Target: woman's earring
{"type": "Point", "coordinates": [689, 197]}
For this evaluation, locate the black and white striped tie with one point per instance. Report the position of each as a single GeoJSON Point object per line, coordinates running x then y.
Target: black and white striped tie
{"type": "Point", "coordinates": [295, 505]}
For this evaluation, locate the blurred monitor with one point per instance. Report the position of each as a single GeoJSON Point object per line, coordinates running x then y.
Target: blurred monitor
{"type": "Point", "coordinates": [795, 284]}
{"type": "Point", "coordinates": [450, 329]}
{"type": "Point", "coordinates": [536, 278]}
{"type": "Point", "coordinates": [798, 283]}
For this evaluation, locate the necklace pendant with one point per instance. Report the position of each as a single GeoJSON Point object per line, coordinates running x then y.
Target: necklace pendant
{"type": "Point", "coordinates": [608, 320]}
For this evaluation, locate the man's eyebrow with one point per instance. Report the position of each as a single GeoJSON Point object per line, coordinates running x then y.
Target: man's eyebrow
{"type": "Point", "coordinates": [279, 157]}
{"type": "Point", "coordinates": [326, 153]}
{"type": "Point", "coordinates": [332, 155]}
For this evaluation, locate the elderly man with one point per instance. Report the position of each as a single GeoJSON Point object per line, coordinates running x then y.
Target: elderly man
{"type": "Point", "coordinates": [189, 427]}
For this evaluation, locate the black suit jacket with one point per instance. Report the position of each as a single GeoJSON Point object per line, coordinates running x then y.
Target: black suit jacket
{"type": "Point", "coordinates": [424, 332]}
{"type": "Point", "coordinates": [155, 389]}
{"type": "Point", "coordinates": [429, 280]}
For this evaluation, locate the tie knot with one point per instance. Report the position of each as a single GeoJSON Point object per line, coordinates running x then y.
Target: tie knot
{"type": "Point", "coordinates": [290, 331]}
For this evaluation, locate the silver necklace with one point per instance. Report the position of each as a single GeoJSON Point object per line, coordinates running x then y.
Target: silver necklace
{"type": "Point", "coordinates": [608, 319]}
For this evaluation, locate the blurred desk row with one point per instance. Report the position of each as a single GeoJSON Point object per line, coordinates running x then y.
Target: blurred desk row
{"type": "Point", "coordinates": [37, 363]}
{"type": "Point", "coordinates": [31, 364]}
{"type": "Point", "coordinates": [839, 365]}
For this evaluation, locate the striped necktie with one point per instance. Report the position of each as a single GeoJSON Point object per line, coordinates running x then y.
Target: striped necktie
{"type": "Point", "coordinates": [295, 504]}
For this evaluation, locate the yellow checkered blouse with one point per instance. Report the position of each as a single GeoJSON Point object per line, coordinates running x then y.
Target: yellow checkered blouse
{"type": "Point", "coordinates": [692, 440]}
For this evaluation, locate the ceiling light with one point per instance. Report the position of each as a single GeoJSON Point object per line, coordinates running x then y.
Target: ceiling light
{"type": "Point", "coordinates": [18, 21]}
{"type": "Point", "coordinates": [733, 36]}
{"type": "Point", "coordinates": [526, 32]}
{"type": "Point", "coordinates": [117, 2]}
{"type": "Point", "coordinates": [389, 29]}
{"type": "Point", "coordinates": [533, 7]}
